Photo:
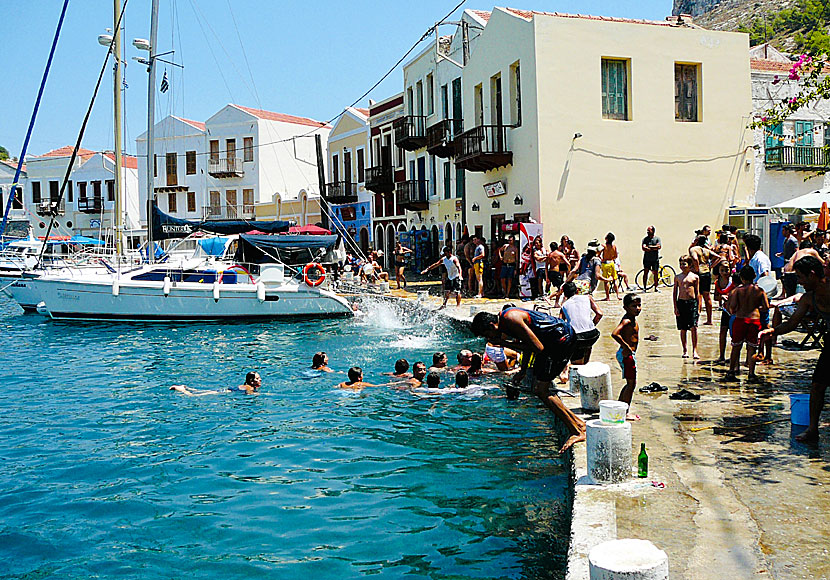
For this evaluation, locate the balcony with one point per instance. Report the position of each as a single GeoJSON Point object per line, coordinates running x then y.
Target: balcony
{"type": "Point", "coordinates": [90, 204]}
{"type": "Point", "coordinates": [49, 208]}
{"type": "Point", "coordinates": [228, 167]}
{"type": "Point", "coordinates": [412, 195]}
{"type": "Point", "coordinates": [796, 158]}
{"type": "Point", "coordinates": [483, 148]}
{"type": "Point", "coordinates": [410, 132]}
{"type": "Point", "coordinates": [341, 192]}
{"type": "Point", "coordinates": [441, 138]}
{"type": "Point", "coordinates": [228, 212]}
{"type": "Point", "coordinates": [380, 179]}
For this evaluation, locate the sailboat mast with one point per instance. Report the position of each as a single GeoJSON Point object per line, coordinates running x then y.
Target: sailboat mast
{"type": "Point", "coordinates": [151, 110]}
{"type": "Point", "coordinates": [117, 87]}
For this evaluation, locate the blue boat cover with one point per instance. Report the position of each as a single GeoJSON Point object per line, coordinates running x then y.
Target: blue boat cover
{"type": "Point", "coordinates": [166, 226]}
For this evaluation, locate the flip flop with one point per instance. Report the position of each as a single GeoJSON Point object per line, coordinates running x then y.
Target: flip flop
{"type": "Point", "coordinates": [684, 395]}
{"type": "Point", "coordinates": [652, 337]}
{"type": "Point", "coordinates": [653, 388]}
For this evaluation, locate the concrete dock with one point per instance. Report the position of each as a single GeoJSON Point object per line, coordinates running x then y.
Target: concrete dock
{"type": "Point", "coordinates": [742, 498]}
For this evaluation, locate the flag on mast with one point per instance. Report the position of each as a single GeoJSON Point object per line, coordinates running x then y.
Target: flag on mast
{"type": "Point", "coordinates": [164, 84]}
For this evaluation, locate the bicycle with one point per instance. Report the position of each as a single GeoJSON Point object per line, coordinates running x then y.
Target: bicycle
{"type": "Point", "coordinates": [665, 276]}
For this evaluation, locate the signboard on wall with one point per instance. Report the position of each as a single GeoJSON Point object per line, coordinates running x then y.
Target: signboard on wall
{"type": "Point", "coordinates": [495, 189]}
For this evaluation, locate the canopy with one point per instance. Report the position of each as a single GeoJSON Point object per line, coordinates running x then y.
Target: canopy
{"type": "Point", "coordinates": [288, 249]}
{"type": "Point", "coordinates": [78, 239]}
{"type": "Point", "coordinates": [309, 229]}
{"type": "Point", "coordinates": [165, 226]}
{"type": "Point", "coordinates": [214, 246]}
{"type": "Point", "coordinates": [808, 201]}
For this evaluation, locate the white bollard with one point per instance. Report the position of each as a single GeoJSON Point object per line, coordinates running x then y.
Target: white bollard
{"type": "Point", "coordinates": [628, 560]}
{"type": "Point", "coordinates": [423, 295]}
{"type": "Point", "coordinates": [594, 385]}
{"type": "Point", "coordinates": [609, 451]}
{"type": "Point", "coordinates": [384, 286]}
{"type": "Point", "coordinates": [573, 379]}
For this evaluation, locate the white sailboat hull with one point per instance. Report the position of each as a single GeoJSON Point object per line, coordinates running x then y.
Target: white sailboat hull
{"type": "Point", "coordinates": [96, 300]}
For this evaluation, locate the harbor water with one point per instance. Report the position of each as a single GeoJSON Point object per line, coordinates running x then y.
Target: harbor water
{"type": "Point", "coordinates": [107, 473]}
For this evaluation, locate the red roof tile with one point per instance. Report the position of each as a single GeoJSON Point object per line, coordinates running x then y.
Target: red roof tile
{"type": "Point", "coordinates": [364, 112]}
{"type": "Point", "coordinates": [758, 64]}
{"type": "Point", "coordinates": [67, 152]}
{"type": "Point", "coordinates": [128, 161]}
{"type": "Point", "coordinates": [528, 15]}
{"type": "Point", "coordinates": [13, 164]}
{"type": "Point", "coordinates": [196, 124]}
{"type": "Point", "coordinates": [281, 117]}
{"type": "Point", "coordinates": [483, 14]}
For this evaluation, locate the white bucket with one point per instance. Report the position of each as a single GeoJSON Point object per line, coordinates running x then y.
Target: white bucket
{"type": "Point", "coordinates": [384, 286]}
{"type": "Point", "coordinates": [348, 276]}
{"type": "Point", "coordinates": [612, 411]}
{"type": "Point", "coordinates": [423, 295]}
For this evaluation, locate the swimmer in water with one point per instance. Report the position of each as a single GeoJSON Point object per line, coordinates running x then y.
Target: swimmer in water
{"type": "Point", "coordinates": [252, 384]}
{"type": "Point", "coordinates": [475, 370]}
{"type": "Point", "coordinates": [355, 381]}
{"type": "Point", "coordinates": [439, 362]}
{"type": "Point", "coordinates": [419, 372]}
{"type": "Point", "coordinates": [433, 380]}
{"type": "Point", "coordinates": [320, 362]}
{"type": "Point", "coordinates": [465, 359]}
{"type": "Point", "coordinates": [462, 380]}
{"type": "Point", "coordinates": [401, 369]}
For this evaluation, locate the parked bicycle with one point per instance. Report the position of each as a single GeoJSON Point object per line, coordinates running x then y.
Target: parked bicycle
{"type": "Point", "coordinates": [665, 277]}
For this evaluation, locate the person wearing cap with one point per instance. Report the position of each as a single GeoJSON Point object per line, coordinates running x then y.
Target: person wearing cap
{"type": "Point", "coordinates": [452, 285]}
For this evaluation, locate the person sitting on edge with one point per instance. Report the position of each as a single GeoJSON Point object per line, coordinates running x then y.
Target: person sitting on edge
{"type": "Point", "coordinates": [252, 384]}
{"type": "Point", "coordinates": [439, 362]}
{"type": "Point", "coordinates": [686, 293]}
{"type": "Point", "coordinates": [401, 368]}
{"type": "Point", "coordinates": [356, 381]}
{"type": "Point", "coordinates": [462, 380]}
{"type": "Point", "coordinates": [583, 313]}
{"type": "Point", "coordinates": [320, 362]}
{"type": "Point", "coordinates": [433, 380]}
{"type": "Point", "coordinates": [748, 303]}
{"type": "Point", "coordinates": [627, 335]}
{"type": "Point", "coordinates": [816, 299]}
{"type": "Point", "coordinates": [552, 342]}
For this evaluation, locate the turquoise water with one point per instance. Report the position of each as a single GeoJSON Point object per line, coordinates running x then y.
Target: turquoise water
{"type": "Point", "coordinates": [106, 473]}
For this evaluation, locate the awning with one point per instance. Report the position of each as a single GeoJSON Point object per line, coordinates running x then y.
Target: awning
{"type": "Point", "coordinates": [808, 201]}
{"type": "Point", "coordinates": [309, 229]}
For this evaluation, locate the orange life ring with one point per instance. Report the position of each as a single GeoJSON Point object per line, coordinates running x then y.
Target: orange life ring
{"type": "Point", "coordinates": [320, 278]}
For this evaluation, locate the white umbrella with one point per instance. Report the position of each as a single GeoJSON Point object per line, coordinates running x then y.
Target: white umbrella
{"type": "Point", "coordinates": [808, 201]}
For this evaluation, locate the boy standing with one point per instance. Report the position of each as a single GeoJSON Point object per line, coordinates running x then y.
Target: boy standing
{"type": "Point", "coordinates": [748, 303]}
{"type": "Point", "coordinates": [627, 335]}
{"type": "Point", "coordinates": [686, 293]}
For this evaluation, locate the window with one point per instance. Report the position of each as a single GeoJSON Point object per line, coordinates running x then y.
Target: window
{"type": "Point", "coordinates": [214, 150]}
{"type": "Point", "coordinates": [479, 105]}
{"type": "Point", "coordinates": [248, 201]}
{"type": "Point", "coordinates": [335, 168]}
{"type": "Point", "coordinates": [516, 95]}
{"type": "Point", "coordinates": [230, 201]}
{"type": "Point", "coordinates": [96, 189]}
{"type": "Point", "coordinates": [804, 133]}
{"type": "Point", "coordinates": [17, 203]}
{"type": "Point", "coordinates": [614, 89]}
{"type": "Point", "coordinates": [496, 113]}
{"type": "Point", "coordinates": [190, 162]}
{"type": "Point", "coordinates": [36, 192]}
{"type": "Point", "coordinates": [347, 166]}
{"type": "Point", "coordinates": [191, 201]}
{"type": "Point", "coordinates": [361, 167]}
{"type": "Point", "coordinates": [69, 192]}
{"type": "Point", "coordinates": [110, 190]}
{"type": "Point", "coordinates": [445, 102]}
{"type": "Point", "coordinates": [685, 92]}
{"type": "Point", "coordinates": [432, 176]}
{"type": "Point", "coordinates": [171, 202]}
{"type": "Point", "coordinates": [410, 101]}
{"type": "Point", "coordinates": [82, 190]}
{"type": "Point", "coordinates": [430, 97]}
{"type": "Point", "coordinates": [419, 98]}
{"type": "Point", "coordinates": [459, 182]}
{"type": "Point", "coordinates": [54, 190]}
{"type": "Point", "coordinates": [230, 148]}
{"type": "Point", "coordinates": [172, 169]}
{"type": "Point", "coordinates": [774, 136]}
{"type": "Point", "coordinates": [248, 148]}
{"type": "Point", "coordinates": [155, 165]}
{"type": "Point", "coordinates": [447, 181]}
{"type": "Point", "coordinates": [826, 134]}
{"type": "Point", "coordinates": [215, 203]}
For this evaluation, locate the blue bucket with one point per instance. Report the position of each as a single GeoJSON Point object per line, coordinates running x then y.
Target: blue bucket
{"type": "Point", "coordinates": [800, 409]}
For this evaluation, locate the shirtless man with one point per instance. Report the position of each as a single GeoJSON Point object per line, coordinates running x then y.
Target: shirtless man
{"type": "Point", "coordinates": [419, 371]}
{"type": "Point", "coordinates": [726, 250]}
{"type": "Point", "coordinates": [609, 254]}
{"type": "Point", "coordinates": [252, 384]}
{"type": "Point", "coordinates": [439, 362]}
{"type": "Point", "coordinates": [686, 292]}
{"type": "Point", "coordinates": [704, 262]}
{"type": "Point", "coordinates": [558, 268]}
{"type": "Point", "coordinates": [816, 298]}
{"type": "Point", "coordinates": [320, 362]}
{"type": "Point", "coordinates": [627, 335]}
{"type": "Point", "coordinates": [355, 382]}
{"type": "Point", "coordinates": [509, 255]}
{"type": "Point", "coordinates": [454, 279]}
{"type": "Point", "coordinates": [469, 250]}
{"type": "Point", "coordinates": [401, 369]}
{"type": "Point", "coordinates": [746, 303]}
{"type": "Point", "coordinates": [552, 342]}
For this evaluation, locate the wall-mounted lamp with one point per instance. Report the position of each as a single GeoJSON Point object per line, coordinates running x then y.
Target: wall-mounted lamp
{"type": "Point", "coordinates": [432, 219]}
{"type": "Point", "coordinates": [495, 204]}
{"type": "Point", "coordinates": [518, 200]}
{"type": "Point", "coordinates": [577, 135]}
{"type": "Point", "coordinates": [757, 147]}
{"type": "Point", "coordinates": [475, 207]}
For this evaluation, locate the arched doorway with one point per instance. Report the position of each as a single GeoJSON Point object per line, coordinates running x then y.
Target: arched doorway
{"type": "Point", "coordinates": [448, 237]}
{"type": "Point", "coordinates": [364, 240]}
{"type": "Point", "coordinates": [379, 238]}
{"type": "Point", "coordinates": [434, 249]}
{"type": "Point", "coordinates": [390, 241]}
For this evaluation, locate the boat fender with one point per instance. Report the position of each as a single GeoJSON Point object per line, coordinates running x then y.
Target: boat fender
{"type": "Point", "coordinates": [41, 308]}
{"type": "Point", "coordinates": [216, 291]}
{"type": "Point", "coordinates": [260, 291]}
{"type": "Point", "coordinates": [320, 279]}
{"type": "Point", "coordinates": [116, 287]}
{"type": "Point", "coordinates": [166, 286]}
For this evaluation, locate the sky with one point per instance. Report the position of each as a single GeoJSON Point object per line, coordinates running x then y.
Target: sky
{"type": "Point", "coordinates": [308, 58]}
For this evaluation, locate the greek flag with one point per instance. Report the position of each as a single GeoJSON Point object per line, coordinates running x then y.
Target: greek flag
{"type": "Point", "coordinates": [164, 84]}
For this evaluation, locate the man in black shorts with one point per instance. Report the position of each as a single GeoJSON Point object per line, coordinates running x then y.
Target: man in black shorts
{"type": "Point", "coordinates": [551, 340]}
{"type": "Point", "coordinates": [816, 298]}
{"type": "Point", "coordinates": [651, 257]}
{"type": "Point", "coordinates": [452, 284]}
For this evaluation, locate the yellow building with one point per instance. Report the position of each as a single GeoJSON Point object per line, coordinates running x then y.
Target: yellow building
{"type": "Point", "coordinates": [303, 210]}
{"type": "Point", "coordinates": [593, 124]}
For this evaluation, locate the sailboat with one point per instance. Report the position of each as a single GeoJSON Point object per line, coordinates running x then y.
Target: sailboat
{"type": "Point", "coordinates": [199, 289]}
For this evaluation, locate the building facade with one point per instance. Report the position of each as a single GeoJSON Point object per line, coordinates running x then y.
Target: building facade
{"type": "Point", "coordinates": [594, 124]}
{"type": "Point", "coordinates": [8, 188]}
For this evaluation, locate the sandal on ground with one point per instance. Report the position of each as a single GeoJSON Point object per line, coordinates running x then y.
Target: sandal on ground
{"type": "Point", "coordinates": [653, 388]}
{"type": "Point", "coordinates": [684, 395]}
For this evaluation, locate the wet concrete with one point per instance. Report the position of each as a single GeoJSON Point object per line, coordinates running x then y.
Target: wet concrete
{"type": "Point", "coordinates": [742, 498]}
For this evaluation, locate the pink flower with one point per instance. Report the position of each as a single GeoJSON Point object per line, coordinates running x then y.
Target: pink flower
{"type": "Point", "coordinates": [794, 75]}
{"type": "Point", "coordinates": [775, 80]}
{"type": "Point", "coordinates": [794, 100]}
{"type": "Point", "coordinates": [763, 119]}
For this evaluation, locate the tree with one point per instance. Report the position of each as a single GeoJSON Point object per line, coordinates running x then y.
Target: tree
{"type": "Point", "coordinates": [4, 153]}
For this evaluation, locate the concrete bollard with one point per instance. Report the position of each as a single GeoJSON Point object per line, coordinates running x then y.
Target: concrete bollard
{"type": "Point", "coordinates": [609, 451]}
{"type": "Point", "coordinates": [628, 560]}
{"type": "Point", "coordinates": [594, 385]}
{"type": "Point", "coordinates": [384, 286]}
{"type": "Point", "coordinates": [573, 379]}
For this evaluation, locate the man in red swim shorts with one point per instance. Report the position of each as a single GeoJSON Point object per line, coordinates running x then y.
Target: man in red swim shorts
{"type": "Point", "coordinates": [747, 302]}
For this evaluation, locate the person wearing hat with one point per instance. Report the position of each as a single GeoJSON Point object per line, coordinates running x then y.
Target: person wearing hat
{"type": "Point", "coordinates": [588, 272]}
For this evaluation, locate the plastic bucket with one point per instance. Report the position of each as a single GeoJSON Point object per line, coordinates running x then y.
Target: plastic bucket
{"type": "Point", "coordinates": [800, 409]}
{"type": "Point", "coordinates": [612, 411]}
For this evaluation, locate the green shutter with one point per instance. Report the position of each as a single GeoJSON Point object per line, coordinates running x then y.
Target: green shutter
{"type": "Point", "coordinates": [614, 89]}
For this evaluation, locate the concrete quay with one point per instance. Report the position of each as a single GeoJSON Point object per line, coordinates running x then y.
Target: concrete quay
{"type": "Point", "coordinates": [742, 498]}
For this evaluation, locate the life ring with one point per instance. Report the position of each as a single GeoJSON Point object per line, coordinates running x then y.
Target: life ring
{"type": "Point", "coordinates": [320, 279]}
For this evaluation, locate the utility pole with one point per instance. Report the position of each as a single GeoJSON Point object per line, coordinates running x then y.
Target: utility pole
{"type": "Point", "coordinates": [321, 179]}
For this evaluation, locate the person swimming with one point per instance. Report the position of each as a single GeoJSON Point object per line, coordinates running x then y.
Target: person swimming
{"type": "Point", "coordinates": [355, 381]}
{"type": "Point", "coordinates": [401, 369]}
{"type": "Point", "coordinates": [320, 362]}
{"type": "Point", "coordinates": [433, 380]}
{"type": "Point", "coordinates": [462, 380]}
{"type": "Point", "coordinates": [252, 384]}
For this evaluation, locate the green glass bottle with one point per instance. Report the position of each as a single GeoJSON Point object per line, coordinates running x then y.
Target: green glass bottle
{"type": "Point", "coordinates": [642, 462]}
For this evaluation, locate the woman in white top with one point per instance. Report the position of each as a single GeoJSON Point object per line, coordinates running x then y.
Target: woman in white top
{"type": "Point", "coordinates": [583, 314]}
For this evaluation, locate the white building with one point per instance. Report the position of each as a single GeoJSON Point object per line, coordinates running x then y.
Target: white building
{"type": "Point", "coordinates": [17, 211]}
{"type": "Point", "coordinates": [791, 154]}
